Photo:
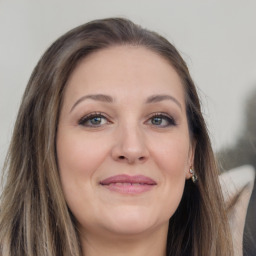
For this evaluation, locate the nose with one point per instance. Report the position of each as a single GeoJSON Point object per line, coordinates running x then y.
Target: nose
{"type": "Point", "coordinates": [130, 146]}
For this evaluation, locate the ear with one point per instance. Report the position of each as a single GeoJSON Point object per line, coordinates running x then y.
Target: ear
{"type": "Point", "coordinates": [191, 155]}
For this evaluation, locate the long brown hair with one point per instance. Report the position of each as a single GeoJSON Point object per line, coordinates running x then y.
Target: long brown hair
{"type": "Point", "coordinates": [34, 217]}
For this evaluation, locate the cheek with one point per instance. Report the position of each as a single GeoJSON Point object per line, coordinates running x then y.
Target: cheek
{"type": "Point", "coordinates": [78, 156]}
{"type": "Point", "coordinates": [78, 160]}
{"type": "Point", "coordinates": [171, 157]}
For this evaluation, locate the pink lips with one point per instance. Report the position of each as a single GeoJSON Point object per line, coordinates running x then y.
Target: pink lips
{"type": "Point", "coordinates": [126, 184]}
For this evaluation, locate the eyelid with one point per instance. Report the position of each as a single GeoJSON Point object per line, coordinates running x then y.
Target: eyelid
{"type": "Point", "coordinates": [89, 116]}
{"type": "Point", "coordinates": [170, 118]}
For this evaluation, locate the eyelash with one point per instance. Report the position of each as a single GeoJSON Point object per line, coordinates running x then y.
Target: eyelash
{"type": "Point", "coordinates": [162, 116]}
{"type": "Point", "coordinates": [170, 120]}
{"type": "Point", "coordinates": [90, 117]}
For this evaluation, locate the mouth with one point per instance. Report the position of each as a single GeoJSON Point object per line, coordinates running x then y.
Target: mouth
{"type": "Point", "coordinates": [126, 184]}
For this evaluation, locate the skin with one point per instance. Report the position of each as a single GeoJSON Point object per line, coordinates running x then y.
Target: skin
{"type": "Point", "coordinates": [130, 135]}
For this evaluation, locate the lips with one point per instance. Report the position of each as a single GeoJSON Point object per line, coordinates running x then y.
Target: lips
{"type": "Point", "coordinates": [126, 184]}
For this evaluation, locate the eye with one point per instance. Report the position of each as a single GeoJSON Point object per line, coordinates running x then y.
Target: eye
{"type": "Point", "coordinates": [93, 120]}
{"type": "Point", "coordinates": [161, 120]}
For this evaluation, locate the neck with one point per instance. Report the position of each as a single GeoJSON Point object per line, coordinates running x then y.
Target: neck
{"type": "Point", "coordinates": [152, 243]}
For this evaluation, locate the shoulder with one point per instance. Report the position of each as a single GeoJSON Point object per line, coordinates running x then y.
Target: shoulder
{"type": "Point", "coordinates": [237, 186]}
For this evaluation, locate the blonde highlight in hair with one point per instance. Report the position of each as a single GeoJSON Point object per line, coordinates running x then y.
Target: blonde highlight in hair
{"type": "Point", "coordinates": [34, 217]}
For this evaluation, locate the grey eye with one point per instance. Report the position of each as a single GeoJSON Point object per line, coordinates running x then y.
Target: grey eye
{"type": "Point", "coordinates": [157, 120]}
{"type": "Point", "coordinates": [161, 120]}
{"type": "Point", "coordinates": [93, 120]}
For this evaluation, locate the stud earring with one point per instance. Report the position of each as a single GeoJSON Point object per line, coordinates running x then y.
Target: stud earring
{"type": "Point", "coordinates": [194, 177]}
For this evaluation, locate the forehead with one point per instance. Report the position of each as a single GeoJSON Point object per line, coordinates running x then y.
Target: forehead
{"type": "Point", "coordinates": [125, 70]}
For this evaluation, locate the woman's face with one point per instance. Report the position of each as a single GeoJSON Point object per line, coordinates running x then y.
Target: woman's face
{"type": "Point", "coordinates": [123, 143]}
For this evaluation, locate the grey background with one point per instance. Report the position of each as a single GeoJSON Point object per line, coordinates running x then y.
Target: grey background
{"type": "Point", "coordinates": [216, 38]}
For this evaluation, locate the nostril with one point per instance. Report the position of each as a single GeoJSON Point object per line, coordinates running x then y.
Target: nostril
{"type": "Point", "coordinates": [123, 157]}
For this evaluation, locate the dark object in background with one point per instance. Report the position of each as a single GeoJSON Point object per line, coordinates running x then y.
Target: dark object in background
{"type": "Point", "coordinates": [249, 240]}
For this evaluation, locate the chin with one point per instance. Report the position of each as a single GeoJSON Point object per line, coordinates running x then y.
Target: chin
{"type": "Point", "coordinates": [133, 221]}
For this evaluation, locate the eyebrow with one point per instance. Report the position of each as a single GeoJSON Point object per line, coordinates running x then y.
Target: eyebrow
{"type": "Point", "coordinates": [97, 97]}
{"type": "Point", "coordinates": [162, 97]}
{"type": "Point", "coordinates": [109, 99]}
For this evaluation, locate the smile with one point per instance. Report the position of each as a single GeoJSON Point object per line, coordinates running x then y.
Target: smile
{"type": "Point", "coordinates": [126, 184]}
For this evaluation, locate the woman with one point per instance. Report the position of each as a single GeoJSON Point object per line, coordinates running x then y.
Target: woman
{"type": "Point", "coordinates": [110, 153]}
